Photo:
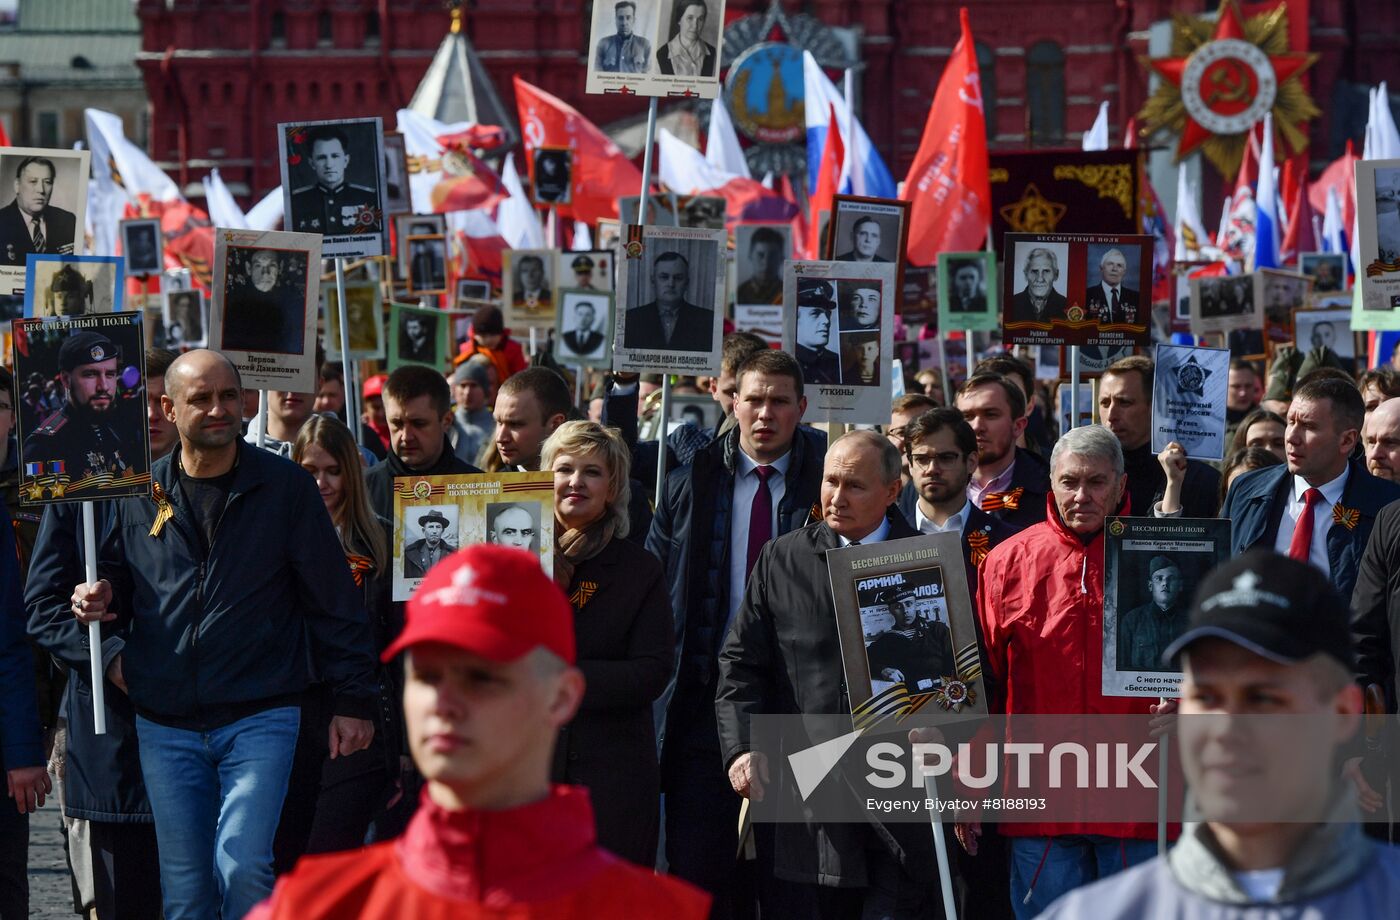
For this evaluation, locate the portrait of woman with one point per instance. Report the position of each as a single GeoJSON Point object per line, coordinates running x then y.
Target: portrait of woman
{"type": "Point", "coordinates": [687, 54]}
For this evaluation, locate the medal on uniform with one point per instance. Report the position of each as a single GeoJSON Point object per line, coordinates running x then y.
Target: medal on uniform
{"type": "Point", "coordinates": [164, 511]}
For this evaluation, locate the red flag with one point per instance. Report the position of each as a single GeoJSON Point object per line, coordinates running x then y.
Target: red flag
{"type": "Point", "coordinates": [798, 222]}
{"type": "Point", "coordinates": [4, 138]}
{"type": "Point", "coordinates": [601, 172]}
{"type": "Point", "coordinates": [1341, 175]}
{"type": "Point", "coordinates": [833, 153]}
{"type": "Point", "coordinates": [1299, 236]}
{"type": "Point", "coordinates": [948, 181]}
{"type": "Point", "coordinates": [467, 183]}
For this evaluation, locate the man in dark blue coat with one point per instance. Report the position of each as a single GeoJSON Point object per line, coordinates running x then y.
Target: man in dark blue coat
{"type": "Point", "coordinates": [1320, 506]}
{"type": "Point", "coordinates": [1010, 482]}
{"type": "Point", "coordinates": [757, 482]}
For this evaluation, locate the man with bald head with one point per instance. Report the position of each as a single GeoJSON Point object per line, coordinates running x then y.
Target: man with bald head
{"type": "Point", "coordinates": [234, 589]}
{"type": "Point", "coordinates": [1380, 437]}
{"type": "Point", "coordinates": [782, 648]}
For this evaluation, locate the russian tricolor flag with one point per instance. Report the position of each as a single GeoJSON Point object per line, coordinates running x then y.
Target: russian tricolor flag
{"type": "Point", "coordinates": [862, 171]}
{"type": "Point", "coordinates": [1266, 222]}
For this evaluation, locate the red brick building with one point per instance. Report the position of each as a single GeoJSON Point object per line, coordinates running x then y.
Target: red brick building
{"type": "Point", "coordinates": [222, 73]}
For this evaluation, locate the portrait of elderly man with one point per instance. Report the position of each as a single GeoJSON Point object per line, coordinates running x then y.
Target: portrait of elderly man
{"type": "Point", "coordinates": [1039, 301]}
{"type": "Point", "coordinates": [816, 301]}
{"type": "Point", "coordinates": [513, 524]}
{"type": "Point", "coordinates": [670, 322]}
{"type": "Point", "coordinates": [865, 241]}
{"type": "Point", "coordinates": [431, 548]}
{"type": "Point", "coordinates": [687, 54]}
{"type": "Point", "coordinates": [30, 223]}
{"type": "Point", "coordinates": [81, 435]}
{"type": "Point", "coordinates": [967, 292]}
{"type": "Point", "coordinates": [1109, 300]}
{"type": "Point", "coordinates": [624, 51]}
{"type": "Point", "coordinates": [1145, 631]}
{"type": "Point", "coordinates": [333, 205]}
{"type": "Point", "coordinates": [264, 307]}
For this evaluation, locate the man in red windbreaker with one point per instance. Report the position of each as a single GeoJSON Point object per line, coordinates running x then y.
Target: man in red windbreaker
{"type": "Point", "coordinates": [490, 680]}
{"type": "Point", "coordinates": [1040, 599]}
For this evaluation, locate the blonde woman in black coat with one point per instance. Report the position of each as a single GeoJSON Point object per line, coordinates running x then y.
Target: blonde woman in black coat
{"type": "Point", "coordinates": [625, 635]}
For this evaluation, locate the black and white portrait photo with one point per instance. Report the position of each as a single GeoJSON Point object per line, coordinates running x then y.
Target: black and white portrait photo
{"type": "Point", "coordinates": [581, 329]}
{"type": "Point", "coordinates": [551, 175]}
{"type": "Point", "coordinates": [761, 250]}
{"type": "Point", "coordinates": [528, 279]}
{"type": "Point", "coordinates": [866, 230]}
{"type": "Point", "coordinates": [620, 30]}
{"type": "Point", "coordinates": [1319, 329]}
{"type": "Point", "coordinates": [590, 271]}
{"type": "Point", "coordinates": [690, 39]}
{"type": "Point", "coordinates": [397, 195]}
{"type": "Point", "coordinates": [184, 319]}
{"type": "Point", "coordinates": [906, 627]}
{"type": "Point", "coordinates": [141, 246]}
{"type": "Point", "coordinates": [1113, 287]}
{"type": "Point", "coordinates": [430, 536]}
{"type": "Point", "coordinates": [860, 359]}
{"type": "Point", "coordinates": [472, 289]}
{"type": "Point", "coordinates": [1328, 270]}
{"type": "Point", "coordinates": [1145, 631]}
{"type": "Point", "coordinates": [860, 305]}
{"type": "Point", "coordinates": [1224, 303]}
{"type": "Point", "coordinates": [514, 524]}
{"type": "Point", "coordinates": [1281, 294]}
{"type": "Point", "coordinates": [816, 348]}
{"type": "Point", "coordinates": [418, 337]}
{"type": "Point", "coordinates": [74, 285]}
{"type": "Point", "coordinates": [43, 200]}
{"type": "Point", "coordinates": [427, 264]}
{"type": "Point", "coordinates": [674, 308]}
{"type": "Point", "coordinates": [967, 286]}
{"type": "Point", "coordinates": [406, 225]}
{"type": "Point", "coordinates": [264, 300]}
{"type": "Point", "coordinates": [333, 180]}
{"type": "Point", "coordinates": [1041, 275]}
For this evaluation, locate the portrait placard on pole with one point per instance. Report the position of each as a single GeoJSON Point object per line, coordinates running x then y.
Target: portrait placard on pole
{"type": "Point", "coordinates": [670, 315]}
{"type": "Point", "coordinates": [656, 48]}
{"type": "Point", "coordinates": [50, 186]}
{"type": "Point", "coordinates": [333, 183]}
{"type": "Point", "coordinates": [1077, 289]}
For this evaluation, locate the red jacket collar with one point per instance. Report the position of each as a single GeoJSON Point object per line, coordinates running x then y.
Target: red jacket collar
{"type": "Point", "coordinates": [1057, 523]}
{"type": "Point", "coordinates": [499, 858]}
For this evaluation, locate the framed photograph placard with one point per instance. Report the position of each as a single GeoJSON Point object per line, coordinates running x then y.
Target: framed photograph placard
{"type": "Point", "coordinates": [967, 291]}
{"type": "Point", "coordinates": [267, 284]}
{"type": "Point", "coordinates": [1378, 241]}
{"type": "Point", "coordinates": [185, 317]}
{"type": "Point", "coordinates": [528, 281]}
{"type": "Point", "coordinates": [1077, 289]}
{"type": "Point", "coordinates": [58, 285]}
{"type": "Point", "coordinates": [418, 335]}
{"type": "Point", "coordinates": [1280, 295]}
{"type": "Point", "coordinates": [333, 183]}
{"type": "Point", "coordinates": [1224, 303]}
{"type": "Point", "coordinates": [47, 186]}
{"type": "Point", "coordinates": [583, 328]}
{"type": "Point", "coordinates": [671, 300]}
{"type": "Point", "coordinates": [364, 318]}
{"type": "Point", "coordinates": [666, 48]}
{"type": "Point", "coordinates": [143, 246]}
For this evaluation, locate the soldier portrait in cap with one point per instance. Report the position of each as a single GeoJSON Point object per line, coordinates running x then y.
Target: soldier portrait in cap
{"type": "Point", "coordinates": [1145, 631]}
{"type": "Point", "coordinates": [585, 317]}
{"type": "Point", "coordinates": [73, 285]}
{"type": "Point", "coordinates": [184, 319]}
{"type": "Point", "coordinates": [917, 648]}
{"type": "Point", "coordinates": [43, 199]}
{"type": "Point", "coordinates": [514, 524]}
{"type": "Point", "coordinates": [96, 436]}
{"type": "Point", "coordinates": [816, 308]}
{"type": "Point", "coordinates": [141, 246]}
{"type": "Point", "coordinates": [265, 300]}
{"type": "Point", "coordinates": [589, 271]}
{"type": "Point", "coordinates": [436, 539]}
{"type": "Point", "coordinates": [333, 174]}
{"type": "Point", "coordinates": [551, 172]}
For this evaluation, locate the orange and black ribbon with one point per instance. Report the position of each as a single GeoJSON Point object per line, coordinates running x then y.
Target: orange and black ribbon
{"type": "Point", "coordinates": [359, 567]}
{"type": "Point", "coordinates": [995, 501]}
{"type": "Point", "coordinates": [1347, 517]}
{"type": "Point", "coordinates": [981, 545]}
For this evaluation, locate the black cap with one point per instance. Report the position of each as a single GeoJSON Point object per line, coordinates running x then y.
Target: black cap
{"type": "Point", "coordinates": [1274, 606]}
{"type": "Point", "coordinates": [582, 264]}
{"type": "Point", "coordinates": [820, 296]}
{"type": "Point", "coordinates": [433, 517]}
{"type": "Point", "coordinates": [86, 348]}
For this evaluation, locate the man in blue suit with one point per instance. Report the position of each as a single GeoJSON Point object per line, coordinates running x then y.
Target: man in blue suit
{"type": "Point", "coordinates": [1321, 505]}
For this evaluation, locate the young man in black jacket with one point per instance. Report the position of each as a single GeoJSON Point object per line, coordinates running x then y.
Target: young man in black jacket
{"type": "Point", "coordinates": [234, 588]}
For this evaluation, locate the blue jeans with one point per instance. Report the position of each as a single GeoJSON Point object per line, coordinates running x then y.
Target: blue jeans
{"type": "Point", "coordinates": [1073, 860]}
{"type": "Point", "coordinates": [216, 797]}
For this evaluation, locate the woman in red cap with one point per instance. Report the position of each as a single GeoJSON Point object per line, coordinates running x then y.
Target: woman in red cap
{"type": "Point", "coordinates": [487, 691]}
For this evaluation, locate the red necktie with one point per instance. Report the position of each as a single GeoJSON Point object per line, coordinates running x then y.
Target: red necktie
{"type": "Point", "coordinates": [760, 517]}
{"type": "Point", "coordinates": [1300, 547]}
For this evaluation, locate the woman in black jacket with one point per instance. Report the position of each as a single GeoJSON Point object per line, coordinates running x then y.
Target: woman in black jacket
{"type": "Point", "coordinates": [625, 636]}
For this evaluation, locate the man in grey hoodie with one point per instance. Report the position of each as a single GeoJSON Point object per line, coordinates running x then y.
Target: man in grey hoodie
{"type": "Point", "coordinates": [1267, 706]}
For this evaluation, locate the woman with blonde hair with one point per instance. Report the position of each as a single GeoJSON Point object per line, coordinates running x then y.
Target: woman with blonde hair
{"type": "Point", "coordinates": [330, 803]}
{"type": "Point", "coordinates": [625, 637]}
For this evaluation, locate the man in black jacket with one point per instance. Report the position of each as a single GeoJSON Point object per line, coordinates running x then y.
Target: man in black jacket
{"type": "Point", "coordinates": [1125, 408]}
{"type": "Point", "coordinates": [1010, 483]}
{"type": "Point", "coordinates": [418, 410]}
{"type": "Point", "coordinates": [234, 588]}
{"type": "Point", "coordinates": [754, 483]}
{"type": "Point", "coordinates": [782, 656]}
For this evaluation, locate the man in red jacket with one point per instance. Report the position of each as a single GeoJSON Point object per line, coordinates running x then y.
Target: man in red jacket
{"type": "Point", "coordinates": [486, 693]}
{"type": "Point", "coordinates": [1040, 599]}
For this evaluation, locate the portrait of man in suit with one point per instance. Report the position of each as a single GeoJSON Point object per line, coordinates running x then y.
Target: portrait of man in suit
{"type": "Point", "coordinates": [431, 548]}
{"type": "Point", "coordinates": [584, 340]}
{"type": "Point", "coordinates": [865, 241]}
{"type": "Point", "coordinates": [968, 290]}
{"type": "Point", "coordinates": [670, 322]}
{"type": "Point", "coordinates": [418, 338]}
{"type": "Point", "coordinates": [532, 289]}
{"type": "Point", "coordinates": [1038, 300]}
{"type": "Point", "coordinates": [1109, 299]}
{"type": "Point", "coordinates": [30, 223]}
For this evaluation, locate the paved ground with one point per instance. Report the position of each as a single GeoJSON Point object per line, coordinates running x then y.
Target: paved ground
{"type": "Point", "coordinates": [50, 893]}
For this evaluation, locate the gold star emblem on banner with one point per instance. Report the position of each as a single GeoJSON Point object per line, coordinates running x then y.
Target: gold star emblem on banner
{"type": "Point", "coordinates": [1034, 213]}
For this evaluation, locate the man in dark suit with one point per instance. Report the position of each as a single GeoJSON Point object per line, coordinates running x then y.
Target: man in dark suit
{"type": "Point", "coordinates": [670, 323]}
{"type": "Point", "coordinates": [424, 553]}
{"type": "Point", "coordinates": [969, 295]}
{"type": "Point", "coordinates": [1010, 483]}
{"type": "Point", "coordinates": [583, 340]}
{"type": "Point", "coordinates": [1319, 506]}
{"type": "Point", "coordinates": [1040, 302]}
{"type": "Point", "coordinates": [865, 241]}
{"type": "Point", "coordinates": [1109, 300]}
{"type": "Point", "coordinates": [29, 224]}
{"type": "Point", "coordinates": [782, 648]}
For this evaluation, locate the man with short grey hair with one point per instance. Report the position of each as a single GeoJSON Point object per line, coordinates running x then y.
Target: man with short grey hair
{"type": "Point", "coordinates": [1040, 598]}
{"type": "Point", "coordinates": [1109, 300]}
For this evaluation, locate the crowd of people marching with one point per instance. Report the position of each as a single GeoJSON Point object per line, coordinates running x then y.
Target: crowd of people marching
{"type": "Point", "coordinates": [271, 712]}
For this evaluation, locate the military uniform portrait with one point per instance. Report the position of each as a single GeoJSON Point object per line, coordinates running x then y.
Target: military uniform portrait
{"type": "Point", "coordinates": [761, 250]}
{"type": "Point", "coordinates": [620, 31]}
{"type": "Point", "coordinates": [514, 524]}
{"type": "Point", "coordinates": [1281, 294]}
{"type": "Point", "coordinates": [141, 246]}
{"type": "Point", "coordinates": [184, 319]}
{"type": "Point", "coordinates": [91, 442]}
{"type": "Point", "coordinates": [264, 300]}
{"type": "Point", "coordinates": [73, 285]}
{"type": "Point", "coordinates": [1145, 631]}
{"type": "Point", "coordinates": [43, 200]}
{"type": "Point", "coordinates": [431, 541]}
{"type": "Point", "coordinates": [527, 276]}
{"type": "Point", "coordinates": [334, 184]}
{"type": "Point", "coordinates": [816, 348]}
{"type": "Point", "coordinates": [427, 264]}
{"type": "Point", "coordinates": [915, 645]}
{"type": "Point", "coordinates": [590, 270]}
{"type": "Point", "coordinates": [551, 169]}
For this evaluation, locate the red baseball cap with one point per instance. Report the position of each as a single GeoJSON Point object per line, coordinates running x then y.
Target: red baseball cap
{"type": "Point", "coordinates": [492, 601]}
{"type": "Point", "coordinates": [374, 386]}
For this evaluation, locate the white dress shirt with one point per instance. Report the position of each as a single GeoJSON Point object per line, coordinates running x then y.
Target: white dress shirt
{"type": "Point", "coordinates": [879, 535]}
{"type": "Point", "coordinates": [1001, 483]}
{"type": "Point", "coordinates": [954, 524]}
{"type": "Point", "coordinates": [746, 483]}
{"type": "Point", "coordinates": [1322, 518]}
